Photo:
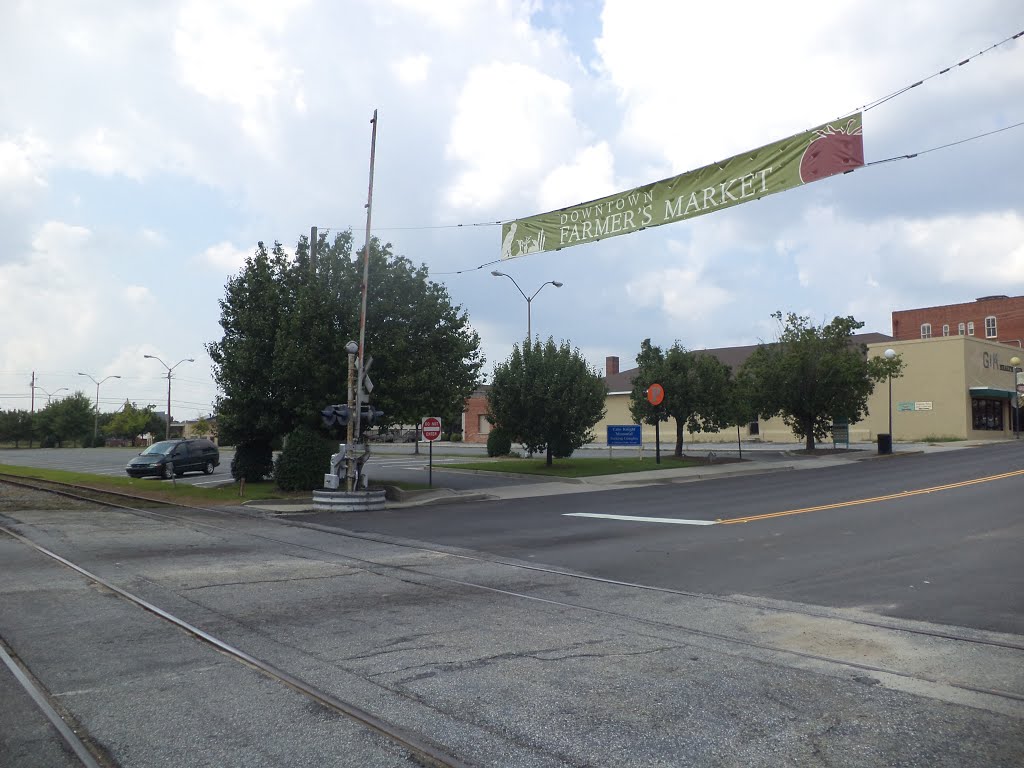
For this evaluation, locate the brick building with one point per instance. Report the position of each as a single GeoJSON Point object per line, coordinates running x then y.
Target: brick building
{"type": "Point", "coordinates": [475, 425]}
{"type": "Point", "coordinates": [995, 318]}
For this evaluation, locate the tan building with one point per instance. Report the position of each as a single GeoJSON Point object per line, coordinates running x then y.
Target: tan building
{"type": "Point", "coordinates": [952, 387]}
{"type": "Point", "coordinates": [620, 384]}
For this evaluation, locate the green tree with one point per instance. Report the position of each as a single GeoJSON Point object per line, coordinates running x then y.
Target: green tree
{"type": "Point", "coordinates": [547, 397]}
{"type": "Point", "coordinates": [68, 420]}
{"type": "Point", "coordinates": [16, 426]}
{"type": "Point", "coordinates": [813, 376]}
{"type": "Point", "coordinates": [202, 427]}
{"type": "Point", "coordinates": [286, 322]}
{"type": "Point", "coordinates": [129, 422]}
{"type": "Point", "coordinates": [696, 389]}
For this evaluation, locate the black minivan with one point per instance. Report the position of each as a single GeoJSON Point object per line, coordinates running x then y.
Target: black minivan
{"type": "Point", "coordinates": [175, 457]}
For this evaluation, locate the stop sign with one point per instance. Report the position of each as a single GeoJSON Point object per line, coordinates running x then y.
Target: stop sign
{"type": "Point", "coordinates": [431, 428]}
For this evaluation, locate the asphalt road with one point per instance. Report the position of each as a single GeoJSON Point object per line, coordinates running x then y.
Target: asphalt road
{"type": "Point", "coordinates": [505, 666]}
{"type": "Point", "coordinates": [949, 556]}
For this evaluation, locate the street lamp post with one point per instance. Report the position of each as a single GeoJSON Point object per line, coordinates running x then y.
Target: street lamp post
{"type": "Point", "coordinates": [529, 299]}
{"type": "Point", "coordinates": [167, 433]}
{"type": "Point", "coordinates": [1014, 367]}
{"type": "Point", "coordinates": [96, 419]}
{"type": "Point", "coordinates": [889, 355]}
{"type": "Point", "coordinates": [50, 394]}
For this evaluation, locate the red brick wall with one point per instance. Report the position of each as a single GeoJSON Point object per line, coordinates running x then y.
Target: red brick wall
{"type": "Point", "coordinates": [476, 406]}
{"type": "Point", "coordinates": [1008, 311]}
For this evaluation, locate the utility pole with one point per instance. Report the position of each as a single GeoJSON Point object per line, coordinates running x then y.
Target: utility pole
{"type": "Point", "coordinates": [366, 269]}
{"type": "Point", "coordinates": [33, 398]}
{"type": "Point", "coordinates": [312, 251]}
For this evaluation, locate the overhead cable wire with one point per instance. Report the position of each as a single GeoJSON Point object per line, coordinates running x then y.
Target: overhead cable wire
{"type": "Point", "coordinates": [878, 102]}
{"type": "Point", "coordinates": [941, 146]}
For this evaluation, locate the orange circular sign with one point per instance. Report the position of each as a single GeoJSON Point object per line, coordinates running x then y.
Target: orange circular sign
{"type": "Point", "coordinates": [655, 394]}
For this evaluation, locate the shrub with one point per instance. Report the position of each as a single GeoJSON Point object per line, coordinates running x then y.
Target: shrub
{"type": "Point", "coordinates": [499, 443]}
{"type": "Point", "coordinates": [304, 460]}
{"type": "Point", "coordinates": [561, 448]}
{"type": "Point", "coordinates": [253, 461]}
{"type": "Point", "coordinates": [456, 437]}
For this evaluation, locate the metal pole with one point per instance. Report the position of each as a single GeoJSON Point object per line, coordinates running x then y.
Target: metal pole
{"type": "Point", "coordinates": [96, 415]}
{"type": "Point", "coordinates": [890, 406]}
{"type": "Point", "coordinates": [348, 439]}
{"type": "Point", "coordinates": [529, 329]}
{"type": "Point", "coordinates": [167, 433]}
{"type": "Point", "coordinates": [366, 257]}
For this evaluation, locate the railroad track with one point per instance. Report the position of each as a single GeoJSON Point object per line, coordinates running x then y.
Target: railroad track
{"type": "Point", "coordinates": [423, 749]}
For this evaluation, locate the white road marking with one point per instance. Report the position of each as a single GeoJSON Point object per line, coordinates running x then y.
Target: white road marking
{"type": "Point", "coordinates": [673, 520]}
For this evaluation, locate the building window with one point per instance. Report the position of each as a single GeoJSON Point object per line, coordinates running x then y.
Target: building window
{"type": "Point", "coordinates": [970, 327]}
{"type": "Point", "coordinates": [990, 327]}
{"type": "Point", "coordinates": [945, 330]}
{"type": "Point", "coordinates": [753, 428]}
{"type": "Point", "coordinates": [483, 425]}
{"type": "Point", "coordinates": [926, 330]}
{"type": "Point", "coordinates": [960, 329]}
{"type": "Point", "coordinates": [987, 414]}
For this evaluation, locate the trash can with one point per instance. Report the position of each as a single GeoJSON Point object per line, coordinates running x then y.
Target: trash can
{"type": "Point", "coordinates": [884, 444]}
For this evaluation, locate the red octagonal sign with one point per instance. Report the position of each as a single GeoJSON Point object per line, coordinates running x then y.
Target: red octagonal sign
{"type": "Point", "coordinates": [431, 428]}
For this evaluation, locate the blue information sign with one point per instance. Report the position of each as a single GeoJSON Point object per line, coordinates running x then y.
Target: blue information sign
{"type": "Point", "coordinates": [623, 434]}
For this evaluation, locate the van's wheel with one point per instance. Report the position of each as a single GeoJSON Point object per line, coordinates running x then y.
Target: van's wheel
{"type": "Point", "coordinates": [208, 469]}
{"type": "Point", "coordinates": [167, 472]}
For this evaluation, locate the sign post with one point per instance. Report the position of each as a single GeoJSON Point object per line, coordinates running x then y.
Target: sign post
{"type": "Point", "coordinates": [431, 429]}
{"type": "Point", "coordinates": [655, 396]}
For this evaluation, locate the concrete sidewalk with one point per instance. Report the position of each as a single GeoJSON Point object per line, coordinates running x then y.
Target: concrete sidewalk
{"type": "Point", "coordinates": [762, 459]}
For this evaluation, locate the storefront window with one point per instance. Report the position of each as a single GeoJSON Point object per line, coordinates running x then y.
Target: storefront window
{"type": "Point", "coordinates": [987, 414]}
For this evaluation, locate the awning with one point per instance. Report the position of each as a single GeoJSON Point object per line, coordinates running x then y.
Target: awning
{"type": "Point", "coordinates": [993, 392]}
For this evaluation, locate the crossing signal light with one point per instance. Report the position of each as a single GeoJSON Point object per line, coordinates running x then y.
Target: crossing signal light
{"type": "Point", "coordinates": [335, 416]}
{"type": "Point", "coordinates": [369, 417]}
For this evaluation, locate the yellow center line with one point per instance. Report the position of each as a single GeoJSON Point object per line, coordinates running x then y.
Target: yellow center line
{"type": "Point", "coordinates": [855, 502]}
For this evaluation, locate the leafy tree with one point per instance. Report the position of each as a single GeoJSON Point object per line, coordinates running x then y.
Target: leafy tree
{"type": "Point", "coordinates": [696, 389]}
{"type": "Point", "coordinates": [740, 408]}
{"type": "Point", "coordinates": [68, 420]}
{"type": "Point", "coordinates": [286, 322]}
{"type": "Point", "coordinates": [813, 376]}
{"type": "Point", "coordinates": [202, 427]}
{"type": "Point", "coordinates": [129, 422]}
{"type": "Point", "coordinates": [250, 412]}
{"type": "Point", "coordinates": [547, 397]}
{"type": "Point", "coordinates": [17, 426]}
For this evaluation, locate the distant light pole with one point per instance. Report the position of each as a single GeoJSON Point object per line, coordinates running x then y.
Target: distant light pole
{"type": "Point", "coordinates": [50, 394]}
{"type": "Point", "coordinates": [529, 299]}
{"type": "Point", "coordinates": [1014, 367]}
{"type": "Point", "coordinates": [96, 420]}
{"type": "Point", "coordinates": [170, 368]}
{"type": "Point", "coordinates": [889, 355]}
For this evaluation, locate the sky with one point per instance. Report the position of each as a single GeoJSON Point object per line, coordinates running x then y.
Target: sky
{"type": "Point", "coordinates": [145, 148]}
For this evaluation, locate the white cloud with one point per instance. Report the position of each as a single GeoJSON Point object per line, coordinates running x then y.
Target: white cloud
{"type": "Point", "coordinates": [21, 167]}
{"type": "Point", "coordinates": [511, 123]}
{"type": "Point", "coordinates": [590, 174]}
{"type": "Point", "coordinates": [225, 257]}
{"type": "Point", "coordinates": [685, 294]}
{"type": "Point", "coordinates": [411, 70]}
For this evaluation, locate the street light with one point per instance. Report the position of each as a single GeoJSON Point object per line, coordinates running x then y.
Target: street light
{"type": "Point", "coordinates": [167, 434]}
{"type": "Point", "coordinates": [889, 355]}
{"type": "Point", "coordinates": [50, 394]}
{"type": "Point", "coordinates": [529, 299]}
{"type": "Point", "coordinates": [96, 420]}
{"type": "Point", "coordinates": [1014, 367]}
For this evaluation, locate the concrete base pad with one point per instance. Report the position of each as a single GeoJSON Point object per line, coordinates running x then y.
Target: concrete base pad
{"type": "Point", "coordinates": [343, 501]}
